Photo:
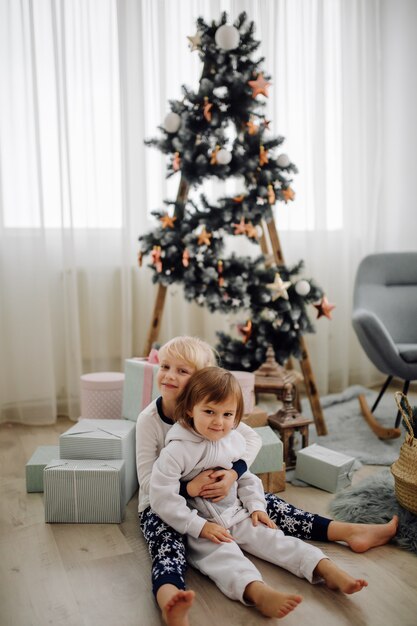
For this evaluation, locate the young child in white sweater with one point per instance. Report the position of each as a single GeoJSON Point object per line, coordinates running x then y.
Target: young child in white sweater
{"type": "Point", "coordinates": [207, 414]}
{"type": "Point", "coordinates": [179, 358]}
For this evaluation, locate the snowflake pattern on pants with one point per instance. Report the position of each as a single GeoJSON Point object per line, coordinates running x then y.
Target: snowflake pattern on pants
{"type": "Point", "coordinates": [167, 550]}
{"type": "Point", "coordinates": [292, 521]}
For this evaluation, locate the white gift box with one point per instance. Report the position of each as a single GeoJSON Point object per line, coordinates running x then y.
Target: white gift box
{"type": "Point", "coordinates": [324, 468]}
{"type": "Point", "coordinates": [140, 387]}
{"type": "Point", "coordinates": [103, 440]}
{"type": "Point", "coordinates": [84, 492]}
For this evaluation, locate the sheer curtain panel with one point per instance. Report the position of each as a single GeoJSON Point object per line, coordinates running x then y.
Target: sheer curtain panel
{"type": "Point", "coordinates": [84, 82]}
{"type": "Point", "coordinates": [65, 259]}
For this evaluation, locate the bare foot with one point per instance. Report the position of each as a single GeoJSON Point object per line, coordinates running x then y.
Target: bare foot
{"type": "Point", "coordinates": [366, 536]}
{"type": "Point", "coordinates": [337, 579]}
{"type": "Point", "coordinates": [269, 602]}
{"type": "Point", "coordinates": [175, 612]}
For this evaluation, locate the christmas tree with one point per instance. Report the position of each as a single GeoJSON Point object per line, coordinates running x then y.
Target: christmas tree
{"type": "Point", "coordinates": [221, 131]}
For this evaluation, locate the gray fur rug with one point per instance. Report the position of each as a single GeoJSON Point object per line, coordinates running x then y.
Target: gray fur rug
{"type": "Point", "coordinates": [373, 501]}
{"type": "Point", "coordinates": [349, 433]}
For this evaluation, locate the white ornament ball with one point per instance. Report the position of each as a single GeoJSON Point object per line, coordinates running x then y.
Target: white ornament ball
{"type": "Point", "coordinates": [302, 287]}
{"type": "Point", "coordinates": [283, 160]}
{"type": "Point", "coordinates": [227, 37]}
{"type": "Point", "coordinates": [223, 157]}
{"type": "Point", "coordinates": [172, 122]}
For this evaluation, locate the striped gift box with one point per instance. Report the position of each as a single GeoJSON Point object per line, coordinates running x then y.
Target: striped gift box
{"type": "Point", "coordinates": [84, 492]}
{"type": "Point", "coordinates": [139, 388]}
{"type": "Point", "coordinates": [35, 466]}
{"type": "Point", "coordinates": [103, 440]}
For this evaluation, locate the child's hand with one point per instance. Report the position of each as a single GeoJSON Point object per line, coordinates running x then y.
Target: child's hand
{"type": "Point", "coordinates": [197, 484]}
{"type": "Point", "coordinates": [261, 516]}
{"type": "Point", "coordinates": [215, 533]}
{"type": "Point", "coordinates": [222, 480]}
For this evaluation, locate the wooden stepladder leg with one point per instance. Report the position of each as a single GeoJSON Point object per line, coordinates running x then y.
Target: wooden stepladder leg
{"type": "Point", "coordinates": [156, 318]}
{"type": "Point", "coordinates": [162, 289]}
{"type": "Point", "coordinates": [311, 389]}
{"type": "Point", "coordinates": [305, 365]}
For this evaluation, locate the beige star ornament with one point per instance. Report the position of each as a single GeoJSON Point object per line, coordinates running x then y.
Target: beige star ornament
{"type": "Point", "coordinates": [279, 288]}
{"type": "Point", "coordinates": [194, 41]}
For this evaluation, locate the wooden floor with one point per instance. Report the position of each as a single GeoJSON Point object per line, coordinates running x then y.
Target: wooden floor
{"type": "Point", "coordinates": [99, 575]}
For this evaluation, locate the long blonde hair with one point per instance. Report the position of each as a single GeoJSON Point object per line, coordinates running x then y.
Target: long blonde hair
{"type": "Point", "coordinates": [213, 384]}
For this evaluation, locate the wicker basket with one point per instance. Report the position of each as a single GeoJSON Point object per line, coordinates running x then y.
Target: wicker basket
{"type": "Point", "coordinates": [405, 469]}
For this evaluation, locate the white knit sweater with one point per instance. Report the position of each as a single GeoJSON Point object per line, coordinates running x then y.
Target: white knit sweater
{"type": "Point", "coordinates": [186, 455]}
{"type": "Point", "coordinates": [151, 430]}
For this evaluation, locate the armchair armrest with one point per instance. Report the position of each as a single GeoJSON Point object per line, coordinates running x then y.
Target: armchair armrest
{"type": "Point", "coordinates": [375, 339]}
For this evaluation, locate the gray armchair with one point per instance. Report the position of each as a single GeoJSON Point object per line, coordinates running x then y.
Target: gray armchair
{"type": "Point", "coordinates": [385, 315]}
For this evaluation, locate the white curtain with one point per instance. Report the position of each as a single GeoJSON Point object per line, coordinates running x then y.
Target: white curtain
{"type": "Point", "coordinates": [84, 82]}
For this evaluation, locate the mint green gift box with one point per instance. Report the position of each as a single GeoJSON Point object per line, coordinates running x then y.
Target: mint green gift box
{"type": "Point", "coordinates": [324, 468]}
{"type": "Point", "coordinates": [270, 456]}
{"type": "Point", "coordinates": [35, 466]}
{"type": "Point", "coordinates": [84, 491]}
{"type": "Point", "coordinates": [140, 387]}
{"type": "Point", "coordinates": [103, 439]}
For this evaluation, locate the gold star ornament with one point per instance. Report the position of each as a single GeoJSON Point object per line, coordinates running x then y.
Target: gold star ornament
{"type": "Point", "coordinates": [204, 238]}
{"type": "Point", "coordinates": [167, 221]}
{"type": "Point", "coordinates": [279, 288]}
{"type": "Point", "coordinates": [246, 330]}
{"type": "Point", "coordinates": [288, 194]}
{"type": "Point", "coordinates": [263, 156]}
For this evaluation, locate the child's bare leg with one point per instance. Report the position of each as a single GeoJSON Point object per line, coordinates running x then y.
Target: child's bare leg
{"type": "Point", "coordinates": [362, 537]}
{"type": "Point", "coordinates": [174, 604]}
{"type": "Point", "coordinates": [337, 579]}
{"type": "Point", "coordinates": [270, 602]}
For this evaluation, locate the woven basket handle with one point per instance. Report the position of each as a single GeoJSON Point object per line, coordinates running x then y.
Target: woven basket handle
{"type": "Point", "coordinates": [398, 397]}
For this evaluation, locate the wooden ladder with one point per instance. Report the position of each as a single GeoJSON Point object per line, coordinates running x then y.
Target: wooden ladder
{"type": "Point", "coordinates": [269, 233]}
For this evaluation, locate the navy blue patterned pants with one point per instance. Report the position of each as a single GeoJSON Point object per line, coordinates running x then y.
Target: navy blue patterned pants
{"type": "Point", "coordinates": [167, 547]}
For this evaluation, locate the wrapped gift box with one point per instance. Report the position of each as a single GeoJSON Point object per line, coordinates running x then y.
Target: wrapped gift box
{"type": "Point", "coordinates": [258, 417]}
{"type": "Point", "coordinates": [102, 395]}
{"type": "Point", "coordinates": [35, 466]}
{"type": "Point", "coordinates": [247, 384]}
{"type": "Point", "coordinates": [268, 464]}
{"type": "Point", "coordinates": [324, 468]}
{"type": "Point", "coordinates": [84, 492]}
{"type": "Point", "coordinates": [140, 387]}
{"type": "Point", "coordinates": [103, 440]}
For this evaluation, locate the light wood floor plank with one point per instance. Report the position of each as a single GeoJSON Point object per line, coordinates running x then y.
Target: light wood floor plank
{"type": "Point", "coordinates": [34, 587]}
{"type": "Point", "coordinates": [99, 575]}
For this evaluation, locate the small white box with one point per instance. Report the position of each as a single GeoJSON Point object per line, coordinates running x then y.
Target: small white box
{"type": "Point", "coordinates": [324, 468]}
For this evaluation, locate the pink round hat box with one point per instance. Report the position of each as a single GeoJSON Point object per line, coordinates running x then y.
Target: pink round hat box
{"type": "Point", "coordinates": [102, 395]}
{"type": "Point", "coordinates": [247, 384]}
